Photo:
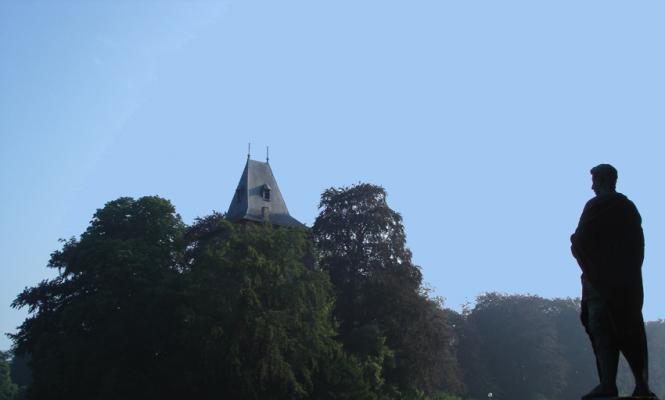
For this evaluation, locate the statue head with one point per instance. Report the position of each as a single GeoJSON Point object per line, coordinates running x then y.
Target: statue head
{"type": "Point", "coordinates": [604, 178]}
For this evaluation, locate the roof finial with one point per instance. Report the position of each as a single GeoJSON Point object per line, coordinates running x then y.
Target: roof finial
{"type": "Point", "coordinates": [267, 154]}
{"type": "Point", "coordinates": [249, 149]}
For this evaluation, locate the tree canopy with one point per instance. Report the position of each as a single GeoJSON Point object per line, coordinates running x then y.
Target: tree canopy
{"type": "Point", "coordinates": [8, 389]}
{"type": "Point", "coordinates": [527, 347]}
{"type": "Point", "coordinates": [362, 245]}
{"type": "Point", "coordinates": [511, 348]}
{"type": "Point", "coordinates": [144, 306]}
{"type": "Point", "coordinates": [97, 329]}
{"type": "Point", "coordinates": [257, 319]}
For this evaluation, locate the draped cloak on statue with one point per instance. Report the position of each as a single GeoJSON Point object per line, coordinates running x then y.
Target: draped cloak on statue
{"type": "Point", "coordinates": [609, 247]}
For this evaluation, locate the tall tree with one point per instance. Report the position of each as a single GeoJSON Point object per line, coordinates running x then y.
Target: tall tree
{"type": "Point", "coordinates": [362, 245]}
{"type": "Point", "coordinates": [144, 308]}
{"type": "Point", "coordinates": [97, 330]}
{"type": "Point", "coordinates": [257, 320]}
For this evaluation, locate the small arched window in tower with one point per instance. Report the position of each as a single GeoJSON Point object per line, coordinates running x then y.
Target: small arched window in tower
{"type": "Point", "coordinates": [238, 195]}
{"type": "Point", "coordinates": [266, 192]}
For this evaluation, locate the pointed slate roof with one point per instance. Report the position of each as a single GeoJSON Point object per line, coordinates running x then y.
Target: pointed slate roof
{"type": "Point", "coordinates": [257, 197]}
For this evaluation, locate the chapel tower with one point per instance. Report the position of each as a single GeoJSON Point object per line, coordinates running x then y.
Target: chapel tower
{"type": "Point", "coordinates": [258, 199]}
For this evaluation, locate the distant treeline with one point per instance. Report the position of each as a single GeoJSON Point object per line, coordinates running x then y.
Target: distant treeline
{"type": "Point", "coordinates": [147, 307]}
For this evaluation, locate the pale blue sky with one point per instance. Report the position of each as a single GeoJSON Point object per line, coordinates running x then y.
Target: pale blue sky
{"type": "Point", "coordinates": [480, 118]}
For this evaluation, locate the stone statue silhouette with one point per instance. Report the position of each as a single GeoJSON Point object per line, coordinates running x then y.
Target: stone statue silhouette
{"type": "Point", "coordinates": [609, 247]}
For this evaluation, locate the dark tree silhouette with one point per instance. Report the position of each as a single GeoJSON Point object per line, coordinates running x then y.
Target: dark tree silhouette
{"type": "Point", "coordinates": [362, 245]}
{"type": "Point", "coordinates": [143, 308]}
{"type": "Point", "coordinates": [20, 371]}
{"type": "Point", "coordinates": [101, 328]}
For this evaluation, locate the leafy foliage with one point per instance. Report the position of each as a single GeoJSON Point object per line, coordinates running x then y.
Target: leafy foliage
{"type": "Point", "coordinates": [257, 321]}
{"type": "Point", "coordinates": [521, 346]}
{"type": "Point", "coordinates": [380, 298]}
{"type": "Point", "coordinates": [20, 371]}
{"type": "Point", "coordinates": [146, 307]}
{"type": "Point", "coordinates": [96, 330]}
{"type": "Point", "coordinates": [580, 365]}
{"type": "Point", "coordinates": [8, 389]}
{"type": "Point", "coordinates": [143, 307]}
